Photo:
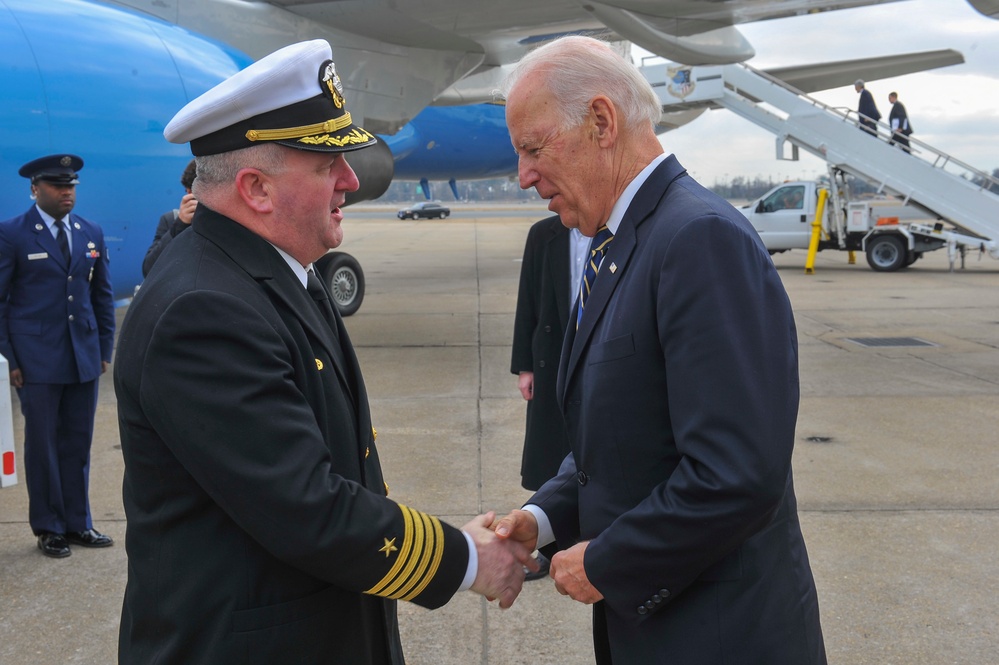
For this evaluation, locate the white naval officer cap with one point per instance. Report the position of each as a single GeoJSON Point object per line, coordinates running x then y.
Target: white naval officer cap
{"type": "Point", "coordinates": [292, 96]}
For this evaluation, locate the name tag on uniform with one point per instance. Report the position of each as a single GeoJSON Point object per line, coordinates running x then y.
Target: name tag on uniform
{"type": "Point", "coordinates": [40, 255]}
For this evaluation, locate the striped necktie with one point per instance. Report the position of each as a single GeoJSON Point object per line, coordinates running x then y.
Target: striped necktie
{"type": "Point", "coordinates": [61, 239]}
{"type": "Point", "coordinates": [598, 247]}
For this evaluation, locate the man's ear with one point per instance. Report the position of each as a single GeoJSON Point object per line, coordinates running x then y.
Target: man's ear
{"type": "Point", "coordinates": [603, 114]}
{"type": "Point", "coordinates": [255, 188]}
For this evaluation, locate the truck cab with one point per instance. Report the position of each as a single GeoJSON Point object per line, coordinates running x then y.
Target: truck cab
{"type": "Point", "coordinates": [783, 215]}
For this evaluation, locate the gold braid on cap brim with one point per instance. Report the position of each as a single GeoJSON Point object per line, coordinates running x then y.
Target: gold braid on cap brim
{"type": "Point", "coordinates": [333, 125]}
{"type": "Point", "coordinates": [356, 136]}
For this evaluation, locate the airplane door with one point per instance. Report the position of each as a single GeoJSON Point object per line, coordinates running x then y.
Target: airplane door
{"type": "Point", "coordinates": [782, 219]}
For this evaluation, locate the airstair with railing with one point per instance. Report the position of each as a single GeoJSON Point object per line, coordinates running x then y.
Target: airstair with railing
{"type": "Point", "coordinates": [926, 177]}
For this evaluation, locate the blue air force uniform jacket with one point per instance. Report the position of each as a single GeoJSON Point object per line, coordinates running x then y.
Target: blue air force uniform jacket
{"type": "Point", "coordinates": [259, 530]}
{"type": "Point", "coordinates": [56, 320]}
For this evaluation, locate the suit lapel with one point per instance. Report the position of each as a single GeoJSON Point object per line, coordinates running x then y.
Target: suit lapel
{"type": "Point", "coordinates": [44, 238]}
{"type": "Point", "coordinates": [615, 264]}
{"type": "Point", "coordinates": [262, 262]}
{"type": "Point", "coordinates": [285, 287]}
{"type": "Point", "coordinates": [78, 241]}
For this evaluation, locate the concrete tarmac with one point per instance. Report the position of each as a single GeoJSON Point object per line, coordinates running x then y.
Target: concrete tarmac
{"type": "Point", "coordinates": [895, 464]}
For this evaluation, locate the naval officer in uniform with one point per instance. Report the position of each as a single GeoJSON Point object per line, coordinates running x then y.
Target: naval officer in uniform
{"type": "Point", "coordinates": [57, 333]}
{"type": "Point", "coordinates": [259, 524]}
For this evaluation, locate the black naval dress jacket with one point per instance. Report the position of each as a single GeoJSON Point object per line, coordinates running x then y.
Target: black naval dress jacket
{"type": "Point", "coordinates": [259, 530]}
{"type": "Point", "coordinates": [538, 330]}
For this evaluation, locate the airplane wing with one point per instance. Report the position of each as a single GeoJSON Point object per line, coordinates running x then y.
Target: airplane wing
{"type": "Point", "coordinates": [828, 75]}
{"type": "Point", "coordinates": [988, 8]}
{"type": "Point", "coordinates": [399, 56]}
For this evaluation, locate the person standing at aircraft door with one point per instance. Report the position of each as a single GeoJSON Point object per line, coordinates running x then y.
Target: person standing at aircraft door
{"type": "Point", "coordinates": [899, 121]}
{"type": "Point", "coordinates": [674, 514]}
{"type": "Point", "coordinates": [57, 332]}
{"type": "Point", "coordinates": [173, 222]}
{"type": "Point", "coordinates": [549, 278]}
{"type": "Point", "coordinates": [868, 110]}
{"type": "Point", "coordinates": [259, 528]}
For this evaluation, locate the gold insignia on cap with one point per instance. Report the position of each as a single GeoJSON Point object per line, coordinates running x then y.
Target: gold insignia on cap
{"type": "Point", "coordinates": [319, 364]}
{"type": "Point", "coordinates": [66, 161]}
{"type": "Point", "coordinates": [355, 137]}
{"type": "Point", "coordinates": [331, 81]}
{"type": "Point", "coordinates": [389, 547]}
{"type": "Point", "coordinates": [332, 125]}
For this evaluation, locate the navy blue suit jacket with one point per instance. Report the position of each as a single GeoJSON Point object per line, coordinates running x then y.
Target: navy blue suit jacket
{"type": "Point", "coordinates": [56, 320]}
{"type": "Point", "coordinates": [680, 392]}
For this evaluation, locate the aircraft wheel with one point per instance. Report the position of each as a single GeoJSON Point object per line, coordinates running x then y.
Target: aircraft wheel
{"type": "Point", "coordinates": [345, 280]}
{"type": "Point", "coordinates": [886, 253]}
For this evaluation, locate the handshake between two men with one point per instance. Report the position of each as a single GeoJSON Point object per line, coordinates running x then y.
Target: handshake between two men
{"type": "Point", "coordinates": [504, 548]}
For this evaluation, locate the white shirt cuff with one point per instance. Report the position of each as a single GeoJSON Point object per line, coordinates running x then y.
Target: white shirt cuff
{"type": "Point", "coordinates": [545, 534]}
{"type": "Point", "coordinates": [473, 564]}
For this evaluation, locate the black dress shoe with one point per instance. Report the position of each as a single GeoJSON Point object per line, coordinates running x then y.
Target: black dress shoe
{"type": "Point", "coordinates": [53, 545]}
{"type": "Point", "coordinates": [542, 573]}
{"type": "Point", "coordinates": [89, 538]}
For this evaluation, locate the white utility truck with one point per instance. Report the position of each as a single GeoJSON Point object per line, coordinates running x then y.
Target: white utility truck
{"type": "Point", "coordinates": [892, 235]}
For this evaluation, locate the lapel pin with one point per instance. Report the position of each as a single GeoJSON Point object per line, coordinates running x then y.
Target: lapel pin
{"type": "Point", "coordinates": [319, 364]}
{"type": "Point", "coordinates": [38, 227]}
{"type": "Point", "coordinates": [91, 245]}
{"type": "Point", "coordinates": [76, 225]}
{"type": "Point", "coordinates": [613, 268]}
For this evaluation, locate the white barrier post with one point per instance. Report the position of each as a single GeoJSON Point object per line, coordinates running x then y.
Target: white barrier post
{"type": "Point", "coordinates": [8, 469]}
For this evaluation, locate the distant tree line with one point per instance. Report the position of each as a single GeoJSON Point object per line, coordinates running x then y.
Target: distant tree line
{"type": "Point", "coordinates": [500, 190]}
{"type": "Point", "coordinates": [506, 190]}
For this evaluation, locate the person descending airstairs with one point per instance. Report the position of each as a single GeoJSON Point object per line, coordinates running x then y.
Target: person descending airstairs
{"type": "Point", "coordinates": [927, 178]}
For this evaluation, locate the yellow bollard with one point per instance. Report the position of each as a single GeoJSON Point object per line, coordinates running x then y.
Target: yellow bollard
{"type": "Point", "coordinates": [813, 244]}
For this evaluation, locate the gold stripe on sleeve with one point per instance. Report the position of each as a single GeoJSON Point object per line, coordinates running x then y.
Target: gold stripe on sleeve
{"type": "Point", "coordinates": [407, 544]}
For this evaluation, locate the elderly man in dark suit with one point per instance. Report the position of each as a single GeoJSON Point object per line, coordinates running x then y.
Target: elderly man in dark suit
{"type": "Point", "coordinates": [259, 528]}
{"type": "Point", "coordinates": [674, 513]}
{"type": "Point", "coordinates": [57, 333]}
{"type": "Point", "coordinates": [867, 109]}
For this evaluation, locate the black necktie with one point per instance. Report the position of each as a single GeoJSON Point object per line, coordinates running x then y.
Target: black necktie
{"type": "Point", "coordinates": [318, 293]}
{"type": "Point", "coordinates": [61, 239]}
{"type": "Point", "coordinates": [598, 247]}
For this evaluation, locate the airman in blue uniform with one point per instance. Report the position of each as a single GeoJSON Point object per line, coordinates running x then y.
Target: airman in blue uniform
{"type": "Point", "coordinates": [57, 333]}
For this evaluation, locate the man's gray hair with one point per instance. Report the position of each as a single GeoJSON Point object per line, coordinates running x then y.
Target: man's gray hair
{"type": "Point", "coordinates": [221, 169]}
{"type": "Point", "coordinates": [577, 69]}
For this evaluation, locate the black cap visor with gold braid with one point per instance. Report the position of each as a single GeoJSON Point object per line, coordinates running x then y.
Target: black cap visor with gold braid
{"type": "Point", "coordinates": [321, 124]}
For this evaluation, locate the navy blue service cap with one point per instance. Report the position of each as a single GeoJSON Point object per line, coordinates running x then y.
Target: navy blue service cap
{"type": "Point", "coordinates": [57, 169]}
{"type": "Point", "coordinates": [293, 96]}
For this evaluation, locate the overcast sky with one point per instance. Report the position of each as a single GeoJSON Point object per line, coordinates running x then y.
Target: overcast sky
{"type": "Point", "coordinates": [955, 109]}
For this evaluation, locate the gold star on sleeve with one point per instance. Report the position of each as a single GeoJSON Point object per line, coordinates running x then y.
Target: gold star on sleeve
{"type": "Point", "coordinates": [419, 558]}
{"type": "Point", "coordinates": [389, 547]}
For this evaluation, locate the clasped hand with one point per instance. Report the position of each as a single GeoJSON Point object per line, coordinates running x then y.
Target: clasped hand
{"type": "Point", "coordinates": [500, 572]}
{"type": "Point", "coordinates": [567, 569]}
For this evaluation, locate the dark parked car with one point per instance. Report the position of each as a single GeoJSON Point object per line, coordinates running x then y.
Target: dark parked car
{"type": "Point", "coordinates": [425, 209]}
